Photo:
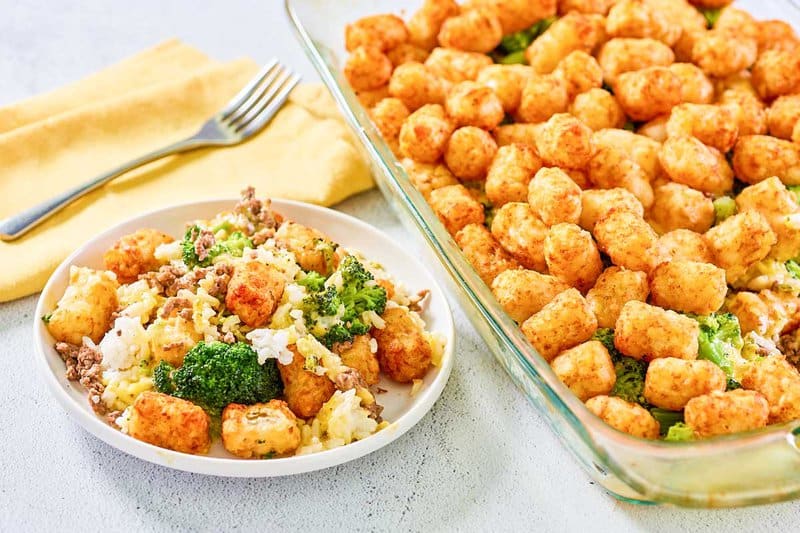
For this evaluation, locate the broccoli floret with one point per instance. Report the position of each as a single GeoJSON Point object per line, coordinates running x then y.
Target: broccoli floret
{"type": "Point", "coordinates": [517, 42]}
{"type": "Point", "coordinates": [512, 47]}
{"type": "Point", "coordinates": [630, 380]}
{"type": "Point", "coordinates": [215, 374]}
{"type": "Point", "coordinates": [720, 339]}
{"type": "Point", "coordinates": [724, 207]}
{"type": "Point", "coordinates": [793, 268]}
{"type": "Point", "coordinates": [711, 16]}
{"type": "Point", "coordinates": [515, 58]}
{"type": "Point", "coordinates": [312, 280]}
{"type": "Point", "coordinates": [233, 245]}
{"type": "Point", "coordinates": [356, 296]}
{"type": "Point", "coordinates": [666, 418]}
{"type": "Point", "coordinates": [679, 432]}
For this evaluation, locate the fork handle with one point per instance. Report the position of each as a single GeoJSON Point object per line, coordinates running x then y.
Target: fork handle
{"type": "Point", "coordinates": [15, 226]}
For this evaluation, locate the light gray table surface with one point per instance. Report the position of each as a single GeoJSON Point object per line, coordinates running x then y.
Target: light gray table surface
{"type": "Point", "coordinates": [483, 459]}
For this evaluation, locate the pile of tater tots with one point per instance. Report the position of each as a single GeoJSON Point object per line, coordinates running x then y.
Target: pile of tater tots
{"type": "Point", "coordinates": [622, 174]}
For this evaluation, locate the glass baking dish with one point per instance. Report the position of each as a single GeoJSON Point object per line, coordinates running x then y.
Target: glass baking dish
{"type": "Point", "coordinates": [757, 467]}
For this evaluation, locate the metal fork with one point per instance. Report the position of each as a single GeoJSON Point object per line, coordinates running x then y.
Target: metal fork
{"type": "Point", "coordinates": [242, 117]}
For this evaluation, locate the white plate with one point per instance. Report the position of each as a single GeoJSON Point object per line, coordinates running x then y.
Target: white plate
{"type": "Point", "coordinates": [402, 410]}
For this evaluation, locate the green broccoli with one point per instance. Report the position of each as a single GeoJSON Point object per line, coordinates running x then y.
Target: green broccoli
{"type": "Point", "coordinates": [606, 336]}
{"type": "Point", "coordinates": [514, 58]}
{"type": "Point", "coordinates": [793, 268]}
{"type": "Point", "coordinates": [233, 245]}
{"type": "Point", "coordinates": [711, 16]}
{"type": "Point", "coordinates": [720, 340]}
{"type": "Point", "coordinates": [512, 47]}
{"type": "Point", "coordinates": [312, 280]}
{"type": "Point", "coordinates": [732, 384]}
{"type": "Point", "coordinates": [679, 432]}
{"type": "Point", "coordinates": [724, 207]}
{"type": "Point", "coordinates": [666, 419]}
{"type": "Point", "coordinates": [630, 380]}
{"type": "Point", "coordinates": [215, 374]}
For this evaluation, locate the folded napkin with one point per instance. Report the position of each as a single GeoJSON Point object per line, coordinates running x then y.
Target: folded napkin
{"type": "Point", "coordinates": [55, 141]}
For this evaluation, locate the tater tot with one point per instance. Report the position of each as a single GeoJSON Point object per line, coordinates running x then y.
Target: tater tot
{"type": "Point", "coordinates": [779, 207]}
{"type": "Point", "coordinates": [357, 354]}
{"type": "Point", "coordinates": [626, 238]}
{"type": "Point", "coordinates": [611, 168]}
{"type": "Point", "coordinates": [483, 252]}
{"type": "Point", "coordinates": [779, 382]}
{"type": "Point", "coordinates": [517, 228]}
{"type": "Point", "coordinates": [388, 116]}
{"type": "Point", "coordinates": [752, 116]}
{"type": "Point", "coordinates": [406, 53]}
{"type": "Point", "coordinates": [574, 31]}
{"type": "Point", "coordinates": [721, 53]}
{"type": "Point", "coordinates": [580, 72]}
{"type": "Point", "coordinates": [647, 93]}
{"type": "Point", "coordinates": [305, 391]}
{"type": "Point", "coordinates": [680, 12]}
{"type": "Point", "coordinates": [425, 133]}
{"type": "Point", "coordinates": [456, 66]}
{"type": "Point", "coordinates": [680, 244]}
{"type": "Point", "coordinates": [621, 55]}
{"type": "Point", "coordinates": [677, 206]}
{"type": "Point", "coordinates": [469, 152]}
{"type": "Point", "coordinates": [542, 97]}
{"type": "Point", "coordinates": [86, 308]}
{"type": "Point", "coordinates": [424, 24]}
{"type": "Point", "coordinates": [688, 161]}
{"type": "Point", "coordinates": [428, 177]}
{"type": "Point", "coordinates": [507, 83]}
{"type": "Point", "coordinates": [597, 203]}
{"type": "Point", "coordinates": [713, 125]}
{"type": "Point", "coordinates": [613, 289]}
{"type": "Point", "coordinates": [572, 256]}
{"type": "Point", "coordinates": [758, 157]}
{"type": "Point", "coordinates": [516, 15]}
{"type": "Point", "coordinates": [696, 88]}
{"type": "Point", "coordinates": [367, 68]}
{"type": "Point", "coordinates": [586, 369]}
{"type": "Point", "coordinates": [627, 417]}
{"type": "Point", "coordinates": [634, 18]}
{"type": "Point", "coordinates": [474, 30]}
{"type": "Point", "coordinates": [783, 115]}
{"type": "Point", "coordinates": [169, 422]}
{"type": "Point", "coordinates": [740, 241]}
{"type": "Point", "coordinates": [381, 31]}
{"type": "Point", "coordinates": [734, 19]}
{"type": "Point", "coordinates": [598, 109]}
{"type": "Point", "coordinates": [521, 293]}
{"type": "Point", "coordinates": [403, 352]}
{"type": "Point", "coordinates": [370, 98]}
{"type": "Point", "coordinates": [518, 133]}
{"type": "Point", "coordinates": [599, 7]}
{"type": "Point", "coordinates": [554, 197]}
{"type": "Point", "coordinates": [671, 382]}
{"type": "Point", "coordinates": [305, 243]}
{"type": "Point", "coordinates": [722, 413]}
{"type": "Point", "coordinates": [415, 85]}
{"type": "Point", "coordinates": [561, 324]}
{"type": "Point", "coordinates": [564, 141]}
{"type": "Point", "coordinates": [471, 104]}
{"type": "Point", "coordinates": [134, 254]}
{"type": "Point", "coordinates": [774, 34]}
{"type": "Point", "coordinates": [261, 429]}
{"type": "Point", "coordinates": [456, 207]}
{"type": "Point", "coordinates": [688, 287]}
{"type": "Point", "coordinates": [642, 150]}
{"type": "Point", "coordinates": [511, 171]}
{"type": "Point", "coordinates": [647, 332]}
{"type": "Point", "coordinates": [775, 73]}
{"type": "Point", "coordinates": [253, 292]}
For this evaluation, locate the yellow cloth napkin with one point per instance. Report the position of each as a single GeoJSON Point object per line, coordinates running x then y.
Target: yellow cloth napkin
{"type": "Point", "coordinates": [55, 141]}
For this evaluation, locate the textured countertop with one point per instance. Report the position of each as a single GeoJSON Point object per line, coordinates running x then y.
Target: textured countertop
{"type": "Point", "coordinates": [482, 459]}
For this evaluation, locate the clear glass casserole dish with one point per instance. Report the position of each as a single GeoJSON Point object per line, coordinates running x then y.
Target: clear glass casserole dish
{"type": "Point", "coordinates": [745, 469]}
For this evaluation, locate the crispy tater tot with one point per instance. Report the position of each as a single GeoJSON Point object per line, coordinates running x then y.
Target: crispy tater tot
{"type": "Point", "coordinates": [469, 152]}
{"type": "Point", "coordinates": [260, 429]}
{"type": "Point", "coordinates": [597, 203]}
{"type": "Point", "coordinates": [406, 53]}
{"type": "Point", "coordinates": [516, 15]}
{"type": "Point", "coordinates": [456, 66]}
{"type": "Point", "coordinates": [403, 352]}
{"type": "Point", "coordinates": [554, 197]}
{"type": "Point", "coordinates": [169, 422]}
{"type": "Point", "coordinates": [696, 88]}
{"type": "Point", "coordinates": [642, 150]}
{"type": "Point", "coordinates": [758, 157]}
{"type": "Point", "coordinates": [524, 292]}
{"type": "Point", "coordinates": [752, 116]}
{"type": "Point", "coordinates": [740, 241]}
{"type": "Point", "coordinates": [572, 256]}
{"type": "Point", "coordinates": [634, 18]}
{"type": "Point", "coordinates": [134, 254]}
{"type": "Point", "coordinates": [381, 31]}
{"type": "Point", "coordinates": [610, 168]}
{"type": "Point", "coordinates": [370, 98]}
{"type": "Point", "coordinates": [367, 68]}
{"type": "Point", "coordinates": [511, 171]}
{"type": "Point", "coordinates": [599, 7]}
{"type": "Point", "coordinates": [598, 109]}
{"type": "Point", "coordinates": [680, 244]}
{"type": "Point", "coordinates": [474, 30]}
{"type": "Point", "coordinates": [86, 307]}
{"type": "Point", "coordinates": [305, 391]}
{"type": "Point", "coordinates": [721, 53]}
{"type": "Point", "coordinates": [680, 12]}
{"type": "Point", "coordinates": [564, 141]}
{"type": "Point", "coordinates": [688, 287]}
{"type": "Point", "coordinates": [311, 247]}
{"type": "Point", "coordinates": [518, 133]}
{"type": "Point", "coordinates": [456, 207]}
{"type": "Point", "coordinates": [655, 128]}
{"type": "Point", "coordinates": [388, 116]}
{"type": "Point", "coordinates": [253, 292]}
{"type": "Point", "coordinates": [586, 369]}
{"type": "Point", "coordinates": [542, 97]}
{"type": "Point", "coordinates": [688, 161]}
{"type": "Point", "coordinates": [521, 233]}
{"type": "Point", "coordinates": [775, 73]}
{"type": "Point", "coordinates": [779, 206]}
{"type": "Point", "coordinates": [483, 252]}
{"type": "Point", "coordinates": [428, 177]}
{"type": "Point", "coordinates": [357, 354]}
{"type": "Point", "coordinates": [713, 125]}
{"type": "Point", "coordinates": [671, 382]}
{"type": "Point", "coordinates": [614, 288]}
{"type": "Point", "coordinates": [677, 206]}
{"type": "Point", "coordinates": [561, 324]}
{"type": "Point", "coordinates": [722, 413]}
{"type": "Point", "coordinates": [424, 24]}
{"type": "Point", "coordinates": [627, 417]}
{"type": "Point", "coordinates": [580, 72]}
{"type": "Point", "coordinates": [783, 116]}
{"type": "Point", "coordinates": [779, 382]}
{"type": "Point", "coordinates": [471, 104]}
{"type": "Point", "coordinates": [776, 35]}
{"type": "Point", "coordinates": [415, 85]}
{"type": "Point", "coordinates": [647, 332]}
{"type": "Point", "coordinates": [574, 31]}
{"type": "Point", "coordinates": [425, 133]}
{"type": "Point", "coordinates": [626, 238]}
{"type": "Point", "coordinates": [647, 93]}
{"type": "Point", "coordinates": [621, 55]}
{"type": "Point", "coordinates": [507, 83]}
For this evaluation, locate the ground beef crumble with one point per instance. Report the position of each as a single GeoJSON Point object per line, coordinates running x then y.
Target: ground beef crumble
{"type": "Point", "coordinates": [83, 366]}
{"type": "Point", "coordinates": [175, 306]}
{"type": "Point", "coordinates": [203, 243]}
{"type": "Point", "coordinates": [259, 213]}
{"type": "Point", "coordinates": [165, 278]}
{"type": "Point", "coordinates": [351, 379]}
{"type": "Point", "coordinates": [789, 345]}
